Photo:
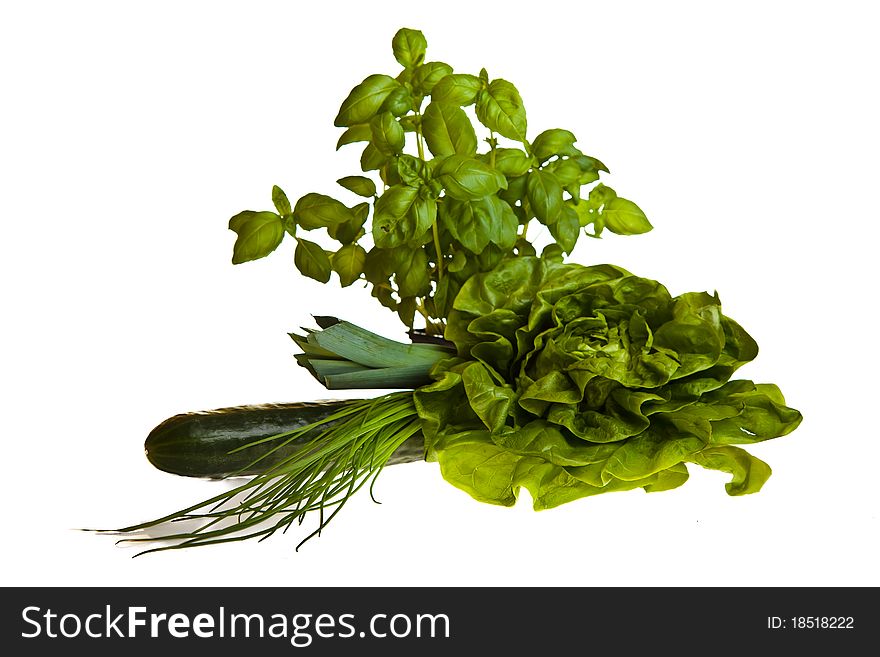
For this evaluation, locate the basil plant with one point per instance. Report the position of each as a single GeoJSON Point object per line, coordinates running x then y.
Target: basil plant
{"type": "Point", "coordinates": [447, 197]}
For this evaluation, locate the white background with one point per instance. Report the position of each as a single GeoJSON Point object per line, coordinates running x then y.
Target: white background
{"type": "Point", "coordinates": [131, 132]}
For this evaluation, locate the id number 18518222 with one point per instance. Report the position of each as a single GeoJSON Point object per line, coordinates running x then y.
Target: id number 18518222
{"type": "Point", "coordinates": [811, 623]}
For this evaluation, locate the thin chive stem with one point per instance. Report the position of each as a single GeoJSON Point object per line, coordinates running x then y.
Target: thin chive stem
{"type": "Point", "coordinates": [341, 459]}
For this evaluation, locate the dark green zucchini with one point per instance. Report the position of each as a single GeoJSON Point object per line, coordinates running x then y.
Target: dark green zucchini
{"type": "Point", "coordinates": [199, 444]}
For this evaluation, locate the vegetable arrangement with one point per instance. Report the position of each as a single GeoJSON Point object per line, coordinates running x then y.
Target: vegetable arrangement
{"type": "Point", "coordinates": [522, 370]}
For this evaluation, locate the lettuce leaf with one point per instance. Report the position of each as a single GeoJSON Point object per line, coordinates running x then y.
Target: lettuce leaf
{"type": "Point", "coordinates": [572, 381]}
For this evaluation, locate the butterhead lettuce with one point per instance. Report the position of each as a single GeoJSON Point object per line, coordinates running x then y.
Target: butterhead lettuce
{"type": "Point", "coordinates": [572, 380]}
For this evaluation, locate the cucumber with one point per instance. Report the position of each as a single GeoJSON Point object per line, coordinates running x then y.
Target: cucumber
{"type": "Point", "coordinates": [199, 444]}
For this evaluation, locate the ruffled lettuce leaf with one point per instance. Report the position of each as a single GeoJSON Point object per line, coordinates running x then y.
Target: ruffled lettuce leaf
{"type": "Point", "coordinates": [494, 474]}
{"type": "Point", "coordinates": [572, 381]}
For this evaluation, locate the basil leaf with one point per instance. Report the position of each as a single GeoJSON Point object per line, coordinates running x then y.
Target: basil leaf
{"type": "Point", "coordinates": [387, 135]}
{"type": "Point", "coordinates": [458, 262]}
{"type": "Point", "coordinates": [505, 224]}
{"type": "Point", "coordinates": [512, 162]}
{"type": "Point", "coordinates": [500, 108]}
{"type": "Point", "coordinates": [587, 216]}
{"type": "Point", "coordinates": [516, 191]}
{"type": "Point", "coordinates": [444, 295]}
{"type": "Point", "coordinates": [545, 195]}
{"type": "Point", "coordinates": [566, 229]}
{"type": "Point", "coordinates": [388, 173]}
{"type": "Point", "coordinates": [360, 185]}
{"type": "Point", "coordinates": [429, 74]}
{"type": "Point", "coordinates": [490, 257]}
{"type": "Point", "coordinates": [566, 171]}
{"type": "Point", "coordinates": [361, 211]}
{"type": "Point", "coordinates": [348, 262]}
{"type": "Point", "coordinates": [355, 133]}
{"type": "Point", "coordinates": [588, 163]}
{"type": "Point", "coordinates": [365, 99]}
{"type": "Point", "coordinates": [600, 195]}
{"type": "Point", "coordinates": [590, 168]}
{"type": "Point", "coordinates": [289, 224]}
{"type": "Point", "coordinates": [393, 224]}
{"type": "Point", "coordinates": [320, 211]}
{"type": "Point", "coordinates": [458, 89]}
{"type": "Point", "coordinates": [478, 222]}
{"type": "Point", "coordinates": [625, 217]}
{"type": "Point", "coordinates": [280, 201]}
{"type": "Point", "coordinates": [398, 103]}
{"type": "Point", "coordinates": [466, 225]}
{"type": "Point", "coordinates": [409, 47]}
{"type": "Point", "coordinates": [466, 178]}
{"type": "Point", "coordinates": [257, 235]}
{"type": "Point", "coordinates": [350, 231]}
{"type": "Point", "coordinates": [423, 212]}
{"type": "Point", "coordinates": [312, 260]}
{"type": "Point", "coordinates": [372, 158]}
{"type": "Point", "coordinates": [554, 142]}
{"type": "Point", "coordinates": [412, 170]}
{"type": "Point", "coordinates": [378, 266]}
{"type": "Point", "coordinates": [447, 130]}
{"type": "Point", "coordinates": [406, 310]}
{"type": "Point", "coordinates": [385, 296]}
{"type": "Point", "coordinates": [412, 276]}
{"type": "Point", "coordinates": [525, 248]}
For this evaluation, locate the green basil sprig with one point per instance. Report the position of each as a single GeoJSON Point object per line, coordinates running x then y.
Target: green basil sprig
{"type": "Point", "coordinates": [454, 197]}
